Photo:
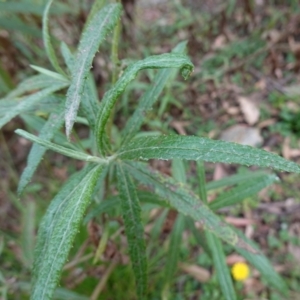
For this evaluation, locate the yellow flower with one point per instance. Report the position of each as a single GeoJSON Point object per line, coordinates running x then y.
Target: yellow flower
{"type": "Point", "coordinates": [240, 271]}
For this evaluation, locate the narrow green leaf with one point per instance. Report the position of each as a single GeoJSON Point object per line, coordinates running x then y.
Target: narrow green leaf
{"type": "Point", "coordinates": [30, 84]}
{"type": "Point", "coordinates": [19, 7]}
{"type": "Point", "coordinates": [60, 149]}
{"type": "Point", "coordinates": [67, 56]}
{"type": "Point", "coordinates": [13, 22]}
{"type": "Point", "coordinates": [27, 102]}
{"type": "Point", "coordinates": [53, 213]}
{"type": "Point", "coordinates": [242, 191]}
{"type": "Point", "coordinates": [196, 148]}
{"type": "Point", "coordinates": [49, 73]}
{"type": "Point", "coordinates": [173, 250]}
{"type": "Point", "coordinates": [97, 5]}
{"type": "Point", "coordinates": [167, 60]}
{"type": "Point", "coordinates": [134, 229]}
{"type": "Point", "coordinates": [47, 41]}
{"type": "Point", "coordinates": [215, 246]}
{"type": "Point", "coordinates": [28, 233]}
{"type": "Point", "coordinates": [202, 181]}
{"type": "Point", "coordinates": [105, 206]}
{"type": "Point", "coordinates": [102, 23]}
{"type": "Point", "coordinates": [149, 98]}
{"type": "Point", "coordinates": [234, 179]}
{"type": "Point", "coordinates": [178, 173]}
{"type": "Point", "coordinates": [199, 235]}
{"type": "Point", "coordinates": [54, 122]}
{"type": "Point", "coordinates": [262, 264]}
{"type": "Point", "coordinates": [184, 201]}
{"type": "Point", "coordinates": [220, 265]}
{"type": "Point", "coordinates": [58, 230]}
{"type": "Point", "coordinates": [89, 103]}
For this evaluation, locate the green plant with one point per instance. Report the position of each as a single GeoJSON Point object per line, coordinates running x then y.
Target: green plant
{"type": "Point", "coordinates": [111, 161]}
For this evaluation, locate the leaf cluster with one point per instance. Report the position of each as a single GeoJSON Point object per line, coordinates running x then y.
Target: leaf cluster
{"type": "Point", "coordinates": [61, 222]}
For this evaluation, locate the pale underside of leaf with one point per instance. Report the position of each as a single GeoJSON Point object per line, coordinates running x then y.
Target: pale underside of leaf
{"type": "Point", "coordinates": [102, 23]}
{"type": "Point", "coordinates": [196, 148]}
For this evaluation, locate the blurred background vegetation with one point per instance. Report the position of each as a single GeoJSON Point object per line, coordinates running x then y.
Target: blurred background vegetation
{"type": "Point", "coordinates": [245, 88]}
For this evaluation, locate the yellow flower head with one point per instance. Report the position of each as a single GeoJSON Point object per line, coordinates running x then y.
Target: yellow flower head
{"type": "Point", "coordinates": [240, 271]}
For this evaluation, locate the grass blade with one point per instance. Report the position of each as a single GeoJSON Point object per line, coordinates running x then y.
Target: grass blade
{"type": "Point", "coordinates": [54, 122]}
{"type": "Point", "coordinates": [47, 41]}
{"type": "Point", "coordinates": [60, 149]}
{"type": "Point", "coordinates": [173, 252]}
{"type": "Point", "coordinates": [196, 148]}
{"type": "Point", "coordinates": [58, 231]}
{"type": "Point", "coordinates": [131, 212]}
{"type": "Point", "coordinates": [215, 246]}
{"type": "Point", "coordinates": [242, 191]}
{"type": "Point", "coordinates": [184, 201]}
{"type": "Point", "coordinates": [220, 265]}
{"type": "Point", "coordinates": [102, 23]}
{"type": "Point", "coordinates": [149, 98]}
{"type": "Point", "coordinates": [168, 60]}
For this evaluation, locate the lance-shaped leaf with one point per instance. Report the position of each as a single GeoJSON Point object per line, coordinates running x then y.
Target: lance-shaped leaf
{"type": "Point", "coordinates": [184, 201]}
{"type": "Point", "coordinates": [131, 213]}
{"type": "Point", "coordinates": [149, 98]}
{"type": "Point", "coordinates": [58, 230]}
{"type": "Point", "coordinates": [234, 179]}
{"type": "Point", "coordinates": [168, 60]}
{"type": "Point", "coordinates": [49, 73]}
{"type": "Point", "coordinates": [173, 252]}
{"type": "Point", "coordinates": [89, 102]}
{"type": "Point", "coordinates": [54, 122]}
{"type": "Point", "coordinates": [30, 84]}
{"type": "Point", "coordinates": [196, 148]}
{"type": "Point", "coordinates": [60, 149]}
{"type": "Point", "coordinates": [28, 102]}
{"type": "Point", "coordinates": [101, 24]}
{"type": "Point", "coordinates": [242, 191]}
{"type": "Point", "coordinates": [47, 41]}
